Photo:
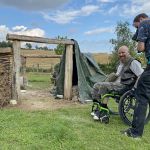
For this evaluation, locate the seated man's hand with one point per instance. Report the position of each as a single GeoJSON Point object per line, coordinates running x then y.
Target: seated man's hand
{"type": "Point", "coordinates": [111, 77]}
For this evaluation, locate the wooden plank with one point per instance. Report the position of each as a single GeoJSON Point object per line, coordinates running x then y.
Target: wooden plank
{"type": "Point", "coordinates": [38, 39]}
{"type": "Point", "coordinates": [68, 72]}
{"type": "Point", "coordinates": [6, 50]}
{"type": "Point", "coordinates": [42, 56]}
{"type": "Point", "coordinates": [16, 70]}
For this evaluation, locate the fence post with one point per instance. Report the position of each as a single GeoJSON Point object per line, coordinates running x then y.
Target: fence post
{"type": "Point", "coordinates": [16, 70]}
{"type": "Point", "coordinates": [68, 72]}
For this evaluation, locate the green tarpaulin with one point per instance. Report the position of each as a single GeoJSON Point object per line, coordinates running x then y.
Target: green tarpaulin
{"type": "Point", "coordinates": [86, 72]}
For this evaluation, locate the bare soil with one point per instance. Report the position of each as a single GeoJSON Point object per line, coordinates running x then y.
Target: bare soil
{"type": "Point", "coordinates": [42, 100]}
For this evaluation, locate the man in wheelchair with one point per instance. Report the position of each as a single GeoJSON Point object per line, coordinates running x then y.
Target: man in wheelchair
{"type": "Point", "coordinates": [128, 72]}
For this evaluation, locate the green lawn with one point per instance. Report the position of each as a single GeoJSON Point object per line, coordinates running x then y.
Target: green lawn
{"type": "Point", "coordinates": [67, 129]}
{"type": "Point", "coordinates": [63, 129]}
{"type": "Point", "coordinates": [38, 80]}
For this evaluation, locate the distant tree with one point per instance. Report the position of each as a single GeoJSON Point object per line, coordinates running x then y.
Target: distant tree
{"type": "Point", "coordinates": [41, 48]}
{"type": "Point", "coordinates": [28, 45]}
{"type": "Point", "coordinates": [45, 48]}
{"type": "Point", "coordinates": [5, 44]}
{"type": "Point", "coordinates": [123, 37]}
{"type": "Point", "coordinates": [60, 47]}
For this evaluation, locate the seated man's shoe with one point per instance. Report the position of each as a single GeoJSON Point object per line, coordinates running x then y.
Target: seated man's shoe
{"type": "Point", "coordinates": [96, 115]}
{"type": "Point", "coordinates": [92, 113]}
{"type": "Point", "coordinates": [129, 133]}
{"type": "Point", "coordinates": [104, 117]}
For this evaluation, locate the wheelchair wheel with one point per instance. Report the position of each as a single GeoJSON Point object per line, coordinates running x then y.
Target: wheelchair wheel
{"type": "Point", "coordinates": [126, 108]}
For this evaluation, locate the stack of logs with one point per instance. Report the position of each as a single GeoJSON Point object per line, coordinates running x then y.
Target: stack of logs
{"type": "Point", "coordinates": [5, 76]}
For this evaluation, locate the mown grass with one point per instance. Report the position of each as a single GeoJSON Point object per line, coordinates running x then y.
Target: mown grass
{"type": "Point", "coordinates": [38, 80]}
{"type": "Point", "coordinates": [67, 129]}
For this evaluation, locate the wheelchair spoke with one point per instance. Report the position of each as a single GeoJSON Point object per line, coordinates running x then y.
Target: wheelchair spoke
{"type": "Point", "coordinates": [128, 107]}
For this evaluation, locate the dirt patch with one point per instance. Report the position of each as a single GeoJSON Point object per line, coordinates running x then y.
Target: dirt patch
{"type": "Point", "coordinates": [42, 100]}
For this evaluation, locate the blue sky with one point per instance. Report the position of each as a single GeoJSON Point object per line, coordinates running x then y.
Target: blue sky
{"type": "Point", "coordinates": [91, 22]}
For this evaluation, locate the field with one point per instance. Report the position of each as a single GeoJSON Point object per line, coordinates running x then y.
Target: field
{"type": "Point", "coordinates": [40, 122]}
{"type": "Point", "coordinates": [102, 58]}
{"type": "Point", "coordinates": [47, 63]}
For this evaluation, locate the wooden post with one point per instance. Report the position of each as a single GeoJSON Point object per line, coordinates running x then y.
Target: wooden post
{"type": "Point", "coordinates": [16, 70]}
{"type": "Point", "coordinates": [68, 72]}
{"type": "Point", "coordinates": [24, 66]}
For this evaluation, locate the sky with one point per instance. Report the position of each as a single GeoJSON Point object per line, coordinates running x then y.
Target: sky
{"type": "Point", "coordinates": [90, 22]}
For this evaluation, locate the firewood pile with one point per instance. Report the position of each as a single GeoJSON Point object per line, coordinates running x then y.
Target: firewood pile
{"type": "Point", "coordinates": [5, 77]}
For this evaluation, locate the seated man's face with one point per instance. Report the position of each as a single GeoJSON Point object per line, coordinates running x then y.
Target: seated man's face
{"type": "Point", "coordinates": [123, 54]}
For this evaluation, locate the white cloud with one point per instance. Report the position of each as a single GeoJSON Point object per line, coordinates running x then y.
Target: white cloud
{"type": "Point", "coordinates": [136, 6]}
{"type": "Point", "coordinates": [64, 17]}
{"type": "Point", "coordinates": [139, 1]}
{"type": "Point", "coordinates": [61, 17]}
{"type": "Point", "coordinates": [18, 28]}
{"type": "Point", "coordinates": [89, 9]}
{"type": "Point", "coordinates": [3, 31]}
{"type": "Point", "coordinates": [33, 4]}
{"type": "Point", "coordinates": [30, 32]}
{"type": "Point", "coordinates": [113, 9]}
{"type": "Point", "coordinates": [21, 30]}
{"type": "Point", "coordinates": [99, 31]}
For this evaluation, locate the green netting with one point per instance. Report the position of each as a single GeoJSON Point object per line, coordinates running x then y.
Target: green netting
{"type": "Point", "coordinates": [86, 72]}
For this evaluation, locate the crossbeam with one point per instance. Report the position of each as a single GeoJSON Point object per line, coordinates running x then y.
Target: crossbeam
{"type": "Point", "coordinates": [42, 56]}
{"type": "Point", "coordinates": [24, 38]}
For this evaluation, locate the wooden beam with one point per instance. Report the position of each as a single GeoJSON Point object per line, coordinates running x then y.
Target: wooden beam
{"type": "Point", "coordinates": [16, 70]}
{"type": "Point", "coordinates": [42, 56]}
{"type": "Point", "coordinates": [38, 39]}
{"type": "Point", "coordinates": [68, 72]}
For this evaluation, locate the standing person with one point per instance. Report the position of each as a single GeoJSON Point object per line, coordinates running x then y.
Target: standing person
{"type": "Point", "coordinates": [142, 93]}
{"type": "Point", "coordinates": [127, 73]}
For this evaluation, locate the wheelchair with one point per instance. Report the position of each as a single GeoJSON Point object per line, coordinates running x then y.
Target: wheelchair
{"type": "Point", "coordinates": [125, 107]}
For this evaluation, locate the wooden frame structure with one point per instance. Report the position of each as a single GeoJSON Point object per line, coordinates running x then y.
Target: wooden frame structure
{"type": "Point", "coordinates": [17, 39]}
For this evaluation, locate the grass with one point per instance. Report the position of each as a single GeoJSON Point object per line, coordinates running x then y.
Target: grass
{"type": "Point", "coordinates": [67, 128]}
{"type": "Point", "coordinates": [38, 80]}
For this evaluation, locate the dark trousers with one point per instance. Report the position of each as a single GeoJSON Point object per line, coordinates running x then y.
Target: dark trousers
{"type": "Point", "coordinates": [142, 95]}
